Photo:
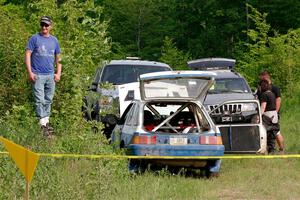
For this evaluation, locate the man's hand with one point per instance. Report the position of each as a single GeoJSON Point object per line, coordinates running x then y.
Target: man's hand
{"type": "Point", "coordinates": [32, 77]}
{"type": "Point", "coordinates": [58, 65]}
{"type": "Point", "coordinates": [56, 77]}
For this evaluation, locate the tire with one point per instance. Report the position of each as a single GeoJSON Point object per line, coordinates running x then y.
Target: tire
{"type": "Point", "coordinates": [209, 174]}
{"type": "Point", "coordinates": [212, 168]}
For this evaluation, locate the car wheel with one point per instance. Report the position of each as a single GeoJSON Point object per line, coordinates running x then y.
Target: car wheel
{"type": "Point", "coordinates": [212, 168]}
{"type": "Point", "coordinates": [137, 166]}
{"type": "Point", "coordinates": [209, 174]}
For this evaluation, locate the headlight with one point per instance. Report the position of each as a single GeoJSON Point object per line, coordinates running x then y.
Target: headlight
{"type": "Point", "coordinates": [248, 107]}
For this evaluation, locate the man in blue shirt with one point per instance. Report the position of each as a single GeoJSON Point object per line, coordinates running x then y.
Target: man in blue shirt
{"type": "Point", "coordinates": [42, 53]}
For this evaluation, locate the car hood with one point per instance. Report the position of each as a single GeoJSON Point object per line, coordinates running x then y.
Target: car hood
{"type": "Point", "coordinates": [179, 85]}
{"type": "Point", "coordinates": [215, 99]}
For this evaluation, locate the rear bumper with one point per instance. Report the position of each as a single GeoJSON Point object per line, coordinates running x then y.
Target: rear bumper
{"type": "Point", "coordinates": [168, 150]}
{"type": "Point", "coordinates": [212, 164]}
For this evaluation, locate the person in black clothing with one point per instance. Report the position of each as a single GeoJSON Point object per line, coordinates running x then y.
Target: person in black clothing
{"type": "Point", "coordinates": [265, 76]}
{"type": "Point", "coordinates": [269, 114]}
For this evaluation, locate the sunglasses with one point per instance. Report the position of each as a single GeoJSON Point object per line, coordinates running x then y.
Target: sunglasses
{"type": "Point", "coordinates": [44, 24]}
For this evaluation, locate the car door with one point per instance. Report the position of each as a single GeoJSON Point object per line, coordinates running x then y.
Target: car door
{"type": "Point", "coordinates": [242, 130]}
{"type": "Point", "coordinates": [116, 133]}
{"type": "Point", "coordinates": [130, 124]}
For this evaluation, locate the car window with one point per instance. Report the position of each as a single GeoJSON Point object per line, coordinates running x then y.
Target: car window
{"type": "Point", "coordinates": [135, 116]}
{"type": "Point", "coordinates": [130, 116]}
{"type": "Point", "coordinates": [123, 118]}
{"type": "Point", "coordinates": [148, 69]}
{"type": "Point", "coordinates": [121, 74]}
{"type": "Point", "coordinates": [229, 85]}
{"type": "Point", "coordinates": [118, 74]}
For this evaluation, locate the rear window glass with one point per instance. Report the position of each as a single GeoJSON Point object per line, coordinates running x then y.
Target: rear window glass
{"type": "Point", "coordinates": [174, 88]}
{"type": "Point", "coordinates": [121, 74]}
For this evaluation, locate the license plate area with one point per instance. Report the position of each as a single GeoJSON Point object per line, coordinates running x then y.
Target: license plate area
{"type": "Point", "coordinates": [178, 140]}
{"type": "Point", "coordinates": [226, 119]}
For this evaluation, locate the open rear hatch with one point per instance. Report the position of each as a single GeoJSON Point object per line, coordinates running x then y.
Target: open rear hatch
{"type": "Point", "coordinates": [172, 85]}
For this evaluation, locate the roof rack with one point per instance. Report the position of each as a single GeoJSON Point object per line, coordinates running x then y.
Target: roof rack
{"type": "Point", "coordinates": [212, 64]}
{"type": "Point", "coordinates": [133, 58]}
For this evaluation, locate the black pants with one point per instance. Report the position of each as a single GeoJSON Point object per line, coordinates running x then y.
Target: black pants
{"type": "Point", "coordinates": [271, 138]}
{"type": "Point", "coordinates": [272, 130]}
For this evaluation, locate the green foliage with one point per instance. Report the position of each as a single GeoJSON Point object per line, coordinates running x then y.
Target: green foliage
{"type": "Point", "coordinates": [260, 33]}
{"type": "Point", "coordinates": [138, 27]}
{"type": "Point", "coordinates": [278, 54]}
{"type": "Point", "coordinates": [282, 14]}
{"type": "Point", "coordinates": [201, 28]}
{"type": "Point", "coordinates": [64, 178]}
{"type": "Point", "coordinates": [102, 179]}
{"type": "Point", "coordinates": [82, 36]}
{"type": "Point", "coordinates": [14, 87]}
{"type": "Point", "coordinates": [289, 121]}
{"type": "Point", "coordinates": [174, 57]}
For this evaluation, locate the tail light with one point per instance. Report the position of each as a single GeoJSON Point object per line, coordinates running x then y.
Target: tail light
{"type": "Point", "coordinates": [213, 140]}
{"type": "Point", "coordinates": [143, 139]}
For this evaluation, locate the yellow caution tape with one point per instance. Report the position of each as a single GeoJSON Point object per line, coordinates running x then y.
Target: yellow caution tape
{"type": "Point", "coordinates": [27, 160]}
{"type": "Point", "coordinates": [112, 156]}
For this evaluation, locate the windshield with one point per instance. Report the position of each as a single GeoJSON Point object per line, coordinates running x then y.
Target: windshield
{"type": "Point", "coordinates": [229, 85]}
{"type": "Point", "coordinates": [121, 74]}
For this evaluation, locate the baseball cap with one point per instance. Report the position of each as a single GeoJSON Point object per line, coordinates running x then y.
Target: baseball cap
{"type": "Point", "coordinates": [46, 19]}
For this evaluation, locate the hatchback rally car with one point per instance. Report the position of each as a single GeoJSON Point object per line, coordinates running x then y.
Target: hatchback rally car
{"type": "Point", "coordinates": [170, 120]}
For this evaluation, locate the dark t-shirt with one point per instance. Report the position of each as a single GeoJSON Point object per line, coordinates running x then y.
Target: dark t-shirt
{"type": "Point", "coordinates": [270, 99]}
{"type": "Point", "coordinates": [274, 89]}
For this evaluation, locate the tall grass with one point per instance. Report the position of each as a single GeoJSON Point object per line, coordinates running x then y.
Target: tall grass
{"type": "Point", "coordinates": [104, 179]}
{"type": "Point", "coordinates": [290, 124]}
{"type": "Point", "coordinates": [74, 178]}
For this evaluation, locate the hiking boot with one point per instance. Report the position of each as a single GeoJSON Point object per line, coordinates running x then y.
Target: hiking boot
{"type": "Point", "coordinates": [271, 152]}
{"type": "Point", "coordinates": [46, 132]}
{"type": "Point", "coordinates": [281, 152]}
{"type": "Point", "coordinates": [50, 128]}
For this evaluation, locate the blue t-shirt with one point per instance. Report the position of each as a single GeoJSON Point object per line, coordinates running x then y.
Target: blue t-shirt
{"type": "Point", "coordinates": [43, 53]}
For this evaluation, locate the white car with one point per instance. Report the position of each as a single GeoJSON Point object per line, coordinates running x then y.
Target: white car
{"type": "Point", "coordinates": [105, 102]}
{"type": "Point", "coordinates": [170, 120]}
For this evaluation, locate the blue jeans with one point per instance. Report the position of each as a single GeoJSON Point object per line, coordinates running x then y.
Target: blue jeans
{"type": "Point", "coordinates": [43, 91]}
